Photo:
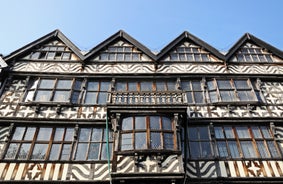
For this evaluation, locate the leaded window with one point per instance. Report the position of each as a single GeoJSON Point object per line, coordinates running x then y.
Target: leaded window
{"type": "Point", "coordinates": [253, 53]}
{"type": "Point", "coordinates": [92, 144]}
{"type": "Point", "coordinates": [96, 92]}
{"type": "Point", "coordinates": [199, 145]}
{"type": "Point", "coordinates": [245, 142]}
{"type": "Point", "coordinates": [146, 85]}
{"type": "Point", "coordinates": [40, 143]}
{"type": "Point", "coordinates": [52, 51]}
{"type": "Point", "coordinates": [194, 91]}
{"type": "Point", "coordinates": [232, 90]}
{"type": "Point", "coordinates": [53, 90]}
{"type": "Point", "coordinates": [190, 52]}
{"type": "Point", "coordinates": [147, 132]}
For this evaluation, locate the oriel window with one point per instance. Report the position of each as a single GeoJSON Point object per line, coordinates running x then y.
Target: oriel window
{"type": "Point", "coordinates": [148, 132]}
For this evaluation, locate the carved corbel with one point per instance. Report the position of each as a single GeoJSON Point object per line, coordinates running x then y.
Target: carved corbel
{"type": "Point", "coordinates": [176, 120]}
{"type": "Point", "coordinates": [115, 122]}
{"type": "Point", "coordinates": [58, 109]}
{"type": "Point", "coordinates": [113, 84]}
{"type": "Point", "coordinates": [10, 132]}
{"type": "Point", "coordinates": [76, 132]}
{"type": "Point", "coordinates": [178, 84]}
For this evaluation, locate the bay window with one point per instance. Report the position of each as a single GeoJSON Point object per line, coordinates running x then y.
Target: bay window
{"type": "Point", "coordinates": [148, 132]}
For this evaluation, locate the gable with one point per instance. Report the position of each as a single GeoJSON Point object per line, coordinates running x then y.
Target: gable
{"type": "Point", "coordinates": [250, 52]}
{"type": "Point", "coordinates": [52, 50]}
{"type": "Point", "coordinates": [121, 50]}
{"type": "Point", "coordinates": [191, 52]}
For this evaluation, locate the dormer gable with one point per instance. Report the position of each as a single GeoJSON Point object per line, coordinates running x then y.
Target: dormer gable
{"type": "Point", "coordinates": [250, 49]}
{"type": "Point", "coordinates": [120, 47]}
{"type": "Point", "coordinates": [188, 48]}
{"type": "Point", "coordinates": [53, 46]}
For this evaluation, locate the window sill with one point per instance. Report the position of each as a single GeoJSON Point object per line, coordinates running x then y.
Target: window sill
{"type": "Point", "coordinates": [151, 152]}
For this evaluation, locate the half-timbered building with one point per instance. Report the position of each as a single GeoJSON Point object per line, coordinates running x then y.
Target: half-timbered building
{"type": "Point", "coordinates": [122, 114]}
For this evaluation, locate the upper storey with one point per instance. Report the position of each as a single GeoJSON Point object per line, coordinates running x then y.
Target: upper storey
{"type": "Point", "coordinates": [122, 54]}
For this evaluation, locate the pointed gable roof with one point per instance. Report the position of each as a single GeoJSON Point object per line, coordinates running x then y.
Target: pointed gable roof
{"type": "Point", "coordinates": [3, 64]}
{"type": "Point", "coordinates": [249, 38]}
{"type": "Point", "coordinates": [186, 36]}
{"type": "Point", "coordinates": [56, 34]}
{"type": "Point", "coordinates": [118, 36]}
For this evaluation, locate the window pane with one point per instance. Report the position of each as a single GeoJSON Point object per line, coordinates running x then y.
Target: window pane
{"type": "Point", "coordinates": [168, 141]}
{"type": "Point", "coordinates": [205, 150]}
{"type": "Point", "coordinates": [211, 85]}
{"type": "Point", "coordinates": [160, 85]}
{"type": "Point", "coordinates": [272, 148]}
{"type": "Point", "coordinates": [266, 132]}
{"type": "Point", "coordinates": [213, 96]}
{"type": "Point", "coordinates": [186, 86]}
{"type": "Point", "coordinates": [140, 122]}
{"type": "Point", "coordinates": [61, 96]}
{"type": "Point", "coordinates": [198, 97]}
{"type": "Point", "coordinates": [44, 134]}
{"type": "Point", "coordinates": [227, 96]}
{"type": "Point", "coordinates": [12, 151]}
{"type": "Point", "coordinates": [171, 85]}
{"type": "Point", "coordinates": [18, 134]}
{"type": "Point", "coordinates": [24, 150]}
{"type": "Point", "coordinates": [121, 86]}
{"type": "Point", "coordinates": [102, 97]}
{"type": "Point", "coordinates": [241, 84]}
{"type": "Point", "coordinates": [224, 84]}
{"type": "Point", "coordinates": [193, 133]}
{"type": "Point", "coordinates": [166, 123]}
{"type": "Point", "coordinates": [248, 149]}
{"type": "Point", "coordinates": [104, 151]}
{"type": "Point", "coordinates": [47, 84]}
{"type": "Point", "coordinates": [30, 133]}
{"type": "Point", "coordinates": [233, 149]}
{"type": "Point", "coordinates": [140, 140]}
{"type": "Point", "coordinates": [194, 150]}
{"type": "Point", "coordinates": [155, 123]}
{"type": "Point", "coordinates": [132, 86]}
{"type": "Point", "coordinates": [93, 151]}
{"type": "Point", "coordinates": [66, 55]}
{"type": "Point", "coordinates": [64, 84]}
{"type": "Point", "coordinates": [127, 123]}
{"type": "Point", "coordinates": [69, 134]}
{"type": "Point", "coordinates": [59, 134]}
{"type": "Point", "coordinates": [43, 95]}
{"type": "Point", "coordinates": [203, 132]}
{"type": "Point", "coordinates": [54, 153]}
{"type": "Point", "coordinates": [146, 86]}
{"type": "Point", "coordinates": [155, 140]}
{"type": "Point", "coordinates": [229, 132]}
{"type": "Point", "coordinates": [262, 149]}
{"type": "Point", "coordinates": [66, 151]}
{"type": "Point", "coordinates": [96, 134]}
{"type": "Point", "coordinates": [196, 86]}
{"type": "Point", "coordinates": [189, 97]}
{"type": "Point", "coordinates": [222, 149]}
{"type": "Point", "coordinates": [104, 86]}
{"type": "Point", "coordinates": [243, 132]}
{"type": "Point", "coordinates": [39, 151]}
{"type": "Point", "coordinates": [92, 86]}
{"type": "Point", "coordinates": [90, 98]}
{"type": "Point", "coordinates": [218, 132]}
{"type": "Point", "coordinates": [256, 132]}
{"type": "Point", "coordinates": [246, 95]}
{"type": "Point", "coordinates": [81, 151]}
{"type": "Point", "coordinates": [84, 134]}
{"type": "Point", "coordinates": [126, 142]}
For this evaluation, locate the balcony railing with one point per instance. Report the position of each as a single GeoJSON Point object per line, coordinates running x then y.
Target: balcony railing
{"type": "Point", "coordinates": [150, 98]}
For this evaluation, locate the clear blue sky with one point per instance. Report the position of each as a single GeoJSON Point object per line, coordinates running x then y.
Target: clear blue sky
{"type": "Point", "coordinates": [154, 23]}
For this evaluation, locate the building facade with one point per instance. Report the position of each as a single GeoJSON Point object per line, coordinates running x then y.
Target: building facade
{"type": "Point", "coordinates": [122, 114]}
